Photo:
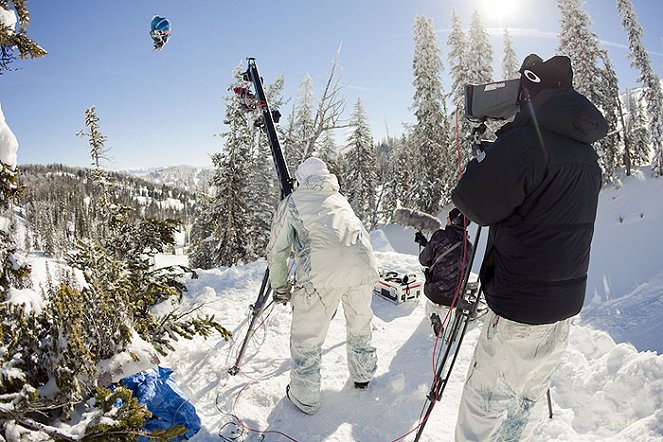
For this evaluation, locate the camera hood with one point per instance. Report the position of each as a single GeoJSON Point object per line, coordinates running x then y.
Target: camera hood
{"type": "Point", "coordinates": [497, 100]}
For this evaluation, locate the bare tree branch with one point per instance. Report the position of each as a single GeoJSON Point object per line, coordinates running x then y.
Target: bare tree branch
{"type": "Point", "coordinates": [330, 107]}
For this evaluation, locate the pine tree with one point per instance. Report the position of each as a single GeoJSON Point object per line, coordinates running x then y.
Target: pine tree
{"type": "Point", "coordinates": [301, 124]}
{"type": "Point", "coordinates": [230, 204]}
{"type": "Point", "coordinates": [651, 86]}
{"type": "Point", "coordinates": [510, 63]}
{"type": "Point", "coordinates": [360, 169]}
{"type": "Point", "coordinates": [234, 220]}
{"type": "Point", "coordinates": [266, 193]}
{"type": "Point", "coordinates": [432, 171]}
{"type": "Point", "coordinates": [14, 42]}
{"type": "Point", "coordinates": [636, 128]}
{"type": "Point", "coordinates": [480, 52]}
{"type": "Point", "coordinates": [21, 329]}
{"type": "Point", "coordinates": [582, 46]}
{"type": "Point", "coordinates": [230, 212]}
{"type": "Point", "coordinates": [384, 152]}
{"type": "Point", "coordinates": [458, 59]}
{"type": "Point", "coordinates": [327, 151]}
{"type": "Point", "coordinates": [308, 121]}
{"type": "Point", "coordinates": [200, 249]}
{"type": "Point", "coordinates": [397, 177]}
{"type": "Point", "coordinates": [99, 155]}
{"type": "Point", "coordinates": [609, 90]}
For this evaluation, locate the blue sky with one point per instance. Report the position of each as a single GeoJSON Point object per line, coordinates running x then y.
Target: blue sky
{"type": "Point", "coordinates": [166, 108]}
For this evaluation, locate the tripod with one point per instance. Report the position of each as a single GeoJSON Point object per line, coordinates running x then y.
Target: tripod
{"type": "Point", "coordinates": [266, 122]}
{"type": "Point", "coordinates": [462, 316]}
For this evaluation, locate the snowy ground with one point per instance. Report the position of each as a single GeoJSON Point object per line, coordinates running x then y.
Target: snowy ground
{"type": "Point", "coordinates": [602, 391]}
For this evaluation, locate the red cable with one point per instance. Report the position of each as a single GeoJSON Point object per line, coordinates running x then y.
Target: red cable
{"type": "Point", "coordinates": [462, 269]}
{"type": "Point", "coordinates": [251, 381]}
{"type": "Point", "coordinates": [460, 281]}
{"type": "Point", "coordinates": [241, 422]}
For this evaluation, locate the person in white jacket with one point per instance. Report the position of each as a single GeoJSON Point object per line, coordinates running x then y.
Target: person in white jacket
{"type": "Point", "coordinates": [334, 264]}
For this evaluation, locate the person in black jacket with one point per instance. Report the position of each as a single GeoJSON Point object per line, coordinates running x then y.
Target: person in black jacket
{"type": "Point", "coordinates": [537, 188]}
{"type": "Point", "coordinates": [446, 257]}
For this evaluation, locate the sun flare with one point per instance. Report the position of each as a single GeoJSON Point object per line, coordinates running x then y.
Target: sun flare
{"type": "Point", "coordinates": [498, 10]}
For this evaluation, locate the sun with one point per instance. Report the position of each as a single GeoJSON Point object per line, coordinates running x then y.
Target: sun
{"type": "Point", "coordinates": [498, 10]}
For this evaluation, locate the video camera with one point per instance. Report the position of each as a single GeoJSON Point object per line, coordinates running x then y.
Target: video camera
{"type": "Point", "coordinates": [497, 100]}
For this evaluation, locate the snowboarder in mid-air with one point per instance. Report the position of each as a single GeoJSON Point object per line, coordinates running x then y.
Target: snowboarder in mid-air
{"type": "Point", "coordinates": [160, 32]}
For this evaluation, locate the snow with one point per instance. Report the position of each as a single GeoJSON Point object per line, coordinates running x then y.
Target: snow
{"type": "Point", "coordinates": [8, 141]}
{"type": "Point", "coordinates": [605, 389]}
{"type": "Point", "coordinates": [625, 278]}
{"type": "Point", "coordinates": [602, 390]}
{"type": "Point", "coordinates": [8, 19]}
{"type": "Point", "coordinates": [31, 300]}
{"type": "Point", "coordinates": [5, 224]}
{"type": "Point", "coordinates": [138, 356]}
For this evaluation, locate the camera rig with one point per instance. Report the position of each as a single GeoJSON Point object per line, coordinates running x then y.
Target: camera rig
{"type": "Point", "coordinates": [257, 102]}
{"type": "Point", "coordinates": [498, 100]}
{"type": "Point", "coordinates": [489, 101]}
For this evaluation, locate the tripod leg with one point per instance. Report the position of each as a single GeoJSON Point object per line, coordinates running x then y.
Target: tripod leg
{"type": "Point", "coordinates": [256, 311]}
{"type": "Point", "coordinates": [458, 329]}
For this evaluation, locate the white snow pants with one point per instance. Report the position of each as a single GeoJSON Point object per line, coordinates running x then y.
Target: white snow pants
{"type": "Point", "coordinates": [509, 373]}
{"type": "Point", "coordinates": [311, 315]}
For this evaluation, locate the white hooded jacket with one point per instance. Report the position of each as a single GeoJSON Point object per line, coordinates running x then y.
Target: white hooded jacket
{"type": "Point", "coordinates": [331, 245]}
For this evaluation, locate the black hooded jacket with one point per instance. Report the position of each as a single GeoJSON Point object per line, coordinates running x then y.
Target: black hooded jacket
{"type": "Point", "coordinates": [537, 188]}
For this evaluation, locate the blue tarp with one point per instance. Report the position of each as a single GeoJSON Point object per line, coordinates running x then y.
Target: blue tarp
{"type": "Point", "coordinates": [165, 400]}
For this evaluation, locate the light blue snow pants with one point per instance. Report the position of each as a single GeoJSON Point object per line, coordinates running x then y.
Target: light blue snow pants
{"type": "Point", "coordinates": [509, 373]}
{"type": "Point", "coordinates": [311, 314]}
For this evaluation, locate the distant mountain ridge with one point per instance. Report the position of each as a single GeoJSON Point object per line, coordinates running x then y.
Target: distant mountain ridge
{"type": "Point", "coordinates": [62, 203]}
{"type": "Point", "coordinates": [190, 178]}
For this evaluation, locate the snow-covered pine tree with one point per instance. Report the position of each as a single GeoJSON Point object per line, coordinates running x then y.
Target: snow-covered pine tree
{"type": "Point", "coordinates": [326, 115]}
{"type": "Point", "coordinates": [200, 244]}
{"type": "Point", "coordinates": [613, 148]}
{"type": "Point", "coordinates": [300, 125]}
{"type": "Point", "coordinates": [327, 151]}
{"type": "Point", "coordinates": [432, 164]}
{"type": "Point", "coordinates": [651, 85]}
{"type": "Point", "coordinates": [360, 168]}
{"type": "Point", "coordinates": [96, 140]}
{"type": "Point", "coordinates": [14, 42]}
{"type": "Point", "coordinates": [21, 329]}
{"type": "Point", "coordinates": [510, 63]}
{"type": "Point", "coordinates": [384, 151]}
{"type": "Point", "coordinates": [636, 128]}
{"type": "Point", "coordinates": [230, 210]}
{"type": "Point", "coordinates": [480, 52]}
{"type": "Point", "coordinates": [470, 58]}
{"type": "Point", "coordinates": [480, 71]}
{"type": "Point", "coordinates": [121, 276]}
{"type": "Point", "coordinates": [457, 59]}
{"type": "Point", "coordinates": [397, 177]}
{"type": "Point", "coordinates": [230, 213]}
{"type": "Point", "coordinates": [99, 155]}
{"type": "Point", "coordinates": [266, 192]}
{"type": "Point", "coordinates": [582, 46]}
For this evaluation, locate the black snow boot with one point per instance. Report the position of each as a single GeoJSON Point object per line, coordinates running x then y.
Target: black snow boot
{"type": "Point", "coordinates": [436, 322]}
